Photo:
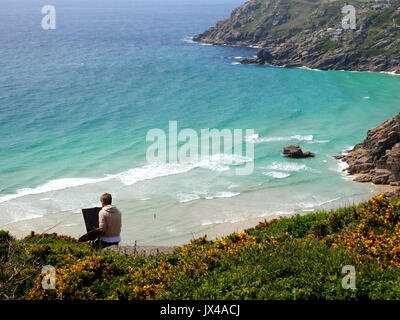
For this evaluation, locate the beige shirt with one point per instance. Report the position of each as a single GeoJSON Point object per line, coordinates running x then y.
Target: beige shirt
{"type": "Point", "coordinates": [110, 221]}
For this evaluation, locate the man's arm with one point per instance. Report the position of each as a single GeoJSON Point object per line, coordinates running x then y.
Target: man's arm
{"type": "Point", "coordinates": [102, 222]}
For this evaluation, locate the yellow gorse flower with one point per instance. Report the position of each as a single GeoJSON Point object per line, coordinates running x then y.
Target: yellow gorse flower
{"type": "Point", "coordinates": [377, 236]}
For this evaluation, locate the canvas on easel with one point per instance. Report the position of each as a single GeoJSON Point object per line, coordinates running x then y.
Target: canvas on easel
{"type": "Point", "coordinates": [91, 217]}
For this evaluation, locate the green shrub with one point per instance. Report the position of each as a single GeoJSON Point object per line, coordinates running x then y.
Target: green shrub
{"type": "Point", "coordinates": [300, 257]}
{"type": "Point", "coordinates": [5, 242]}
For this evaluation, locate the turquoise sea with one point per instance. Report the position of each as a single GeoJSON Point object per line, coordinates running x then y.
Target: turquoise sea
{"type": "Point", "coordinates": [77, 102]}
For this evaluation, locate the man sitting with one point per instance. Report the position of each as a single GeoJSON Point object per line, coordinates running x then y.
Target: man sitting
{"type": "Point", "coordinates": [109, 223]}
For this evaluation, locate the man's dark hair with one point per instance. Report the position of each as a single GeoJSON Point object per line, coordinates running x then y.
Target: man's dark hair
{"type": "Point", "coordinates": [106, 198]}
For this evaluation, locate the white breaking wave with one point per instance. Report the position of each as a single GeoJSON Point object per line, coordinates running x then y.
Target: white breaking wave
{"type": "Point", "coordinates": [343, 165]}
{"type": "Point", "coordinates": [217, 162]}
{"type": "Point", "coordinates": [196, 195]}
{"type": "Point", "coordinates": [28, 217]}
{"type": "Point", "coordinates": [310, 69]}
{"type": "Point", "coordinates": [393, 73]}
{"type": "Point", "coordinates": [53, 185]}
{"type": "Point", "coordinates": [309, 205]}
{"type": "Point", "coordinates": [346, 151]}
{"type": "Point", "coordinates": [183, 198]}
{"type": "Point", "coordinates": [319, 141]}
{"type": "Point", "coordinates": [273, 213]}
{"type": "Point", "coordinates": [277, 174]}
{"type": "Point", "coordinates": [287, 166]}
{"type": "Point", "coordinates": [189, 40]}
{"type": "Point", "coordinates": [252, 138]}
{"type": "Point", "coordinates": [150, 172]}
{"type": "Point", "coordinates": [303, 138]}
{"type": "Point", "coordinates": [255, 138]}
{"type": "Point", "coordinates": [209, 222]}
{"type": "Point", "coordinates": [342, 169]}
{"type": "Point", "coordinates": [223, 195]}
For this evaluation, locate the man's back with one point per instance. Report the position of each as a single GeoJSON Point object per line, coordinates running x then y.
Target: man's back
{"type": "Point", "coordinates": [110, 221]}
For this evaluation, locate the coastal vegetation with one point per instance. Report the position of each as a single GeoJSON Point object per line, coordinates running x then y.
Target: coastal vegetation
{"type": "Point", "coordinates": [299, 257]}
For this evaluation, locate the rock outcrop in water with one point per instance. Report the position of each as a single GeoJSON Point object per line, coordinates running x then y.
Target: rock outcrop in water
{"type": "Point", "coordinates": [294, 151]}
{"type": "Point", "coordinates": [303, 33]}
{"type": "Point", "coordinates": [377, 158]}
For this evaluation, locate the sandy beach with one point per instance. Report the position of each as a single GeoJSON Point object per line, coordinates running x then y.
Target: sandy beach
{"type": "Point", "coordinates": [231, 215]}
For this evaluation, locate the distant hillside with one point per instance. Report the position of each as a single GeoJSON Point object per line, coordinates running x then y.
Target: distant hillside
{"type": "Point", "coordinates": [296, 33]}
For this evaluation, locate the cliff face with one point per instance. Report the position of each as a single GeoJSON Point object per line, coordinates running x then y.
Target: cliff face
{"type": "Point", "coordinates": [377, 158]}
{"type": "Point", "coordinates": [309, 33]}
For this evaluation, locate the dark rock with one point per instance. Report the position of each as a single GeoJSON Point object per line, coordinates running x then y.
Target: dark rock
{"type": "Point", "coordinates": [380, 176]}
{"type": "Point", "coordinates": [308, 154]}
{"type": "Point", "coordinates": [395, 193]}
{"type": "Point", "coordinates": [249, 61]}
{"type": "Point", "coordinates": [363, 178]}
{"type": "Point", "coordinates": [294, 151]}
{"type": "Point", "coordinates": [377, 158]}
{"type": "Point", "coordinates": [265, 56]}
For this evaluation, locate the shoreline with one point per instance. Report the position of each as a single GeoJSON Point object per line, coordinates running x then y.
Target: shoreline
{"type": "Point", "coordinates": [20, 229]}
{"type": "Point", "coordinates": [181, 222]}
{"type": "Point", "coordinates": [254, 60]}
{"type": "Point", "coordinates": [244, 61]}
{"type": "Point", "coordinates": [213, 231]}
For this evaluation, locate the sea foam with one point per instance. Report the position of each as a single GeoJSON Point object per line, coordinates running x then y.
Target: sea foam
{"type": "Point", "coordinates": [217, 162]}
{"type": "Point", "coordinates": [53, 185]}
{"type": "Point", "coordinates": [287, 166]}
{"type": "Point", "coordinates": [255, 138]}
{"type": "Point", "coordinates": [277, 174]}
{"type": "Point", "coordinates": [183, 198]}
{"type": "Point", "coordinates": [222, 195]}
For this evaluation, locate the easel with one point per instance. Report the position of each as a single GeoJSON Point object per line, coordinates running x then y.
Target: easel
{"type": "Point", "coordinates": [91, 218]}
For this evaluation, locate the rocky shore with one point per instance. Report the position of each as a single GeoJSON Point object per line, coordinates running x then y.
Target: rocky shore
{"type": "Point", "coordinates": [310, 34]}
{"type": "Point", "coordinates": [377, 158]}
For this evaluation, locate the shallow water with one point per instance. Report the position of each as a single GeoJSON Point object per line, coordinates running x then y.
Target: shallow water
{"type": "Point", "coordinates": [77, 102]}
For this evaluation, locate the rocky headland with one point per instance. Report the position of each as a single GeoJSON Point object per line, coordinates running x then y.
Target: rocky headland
{"type": "Point", "coordinates": [303, 33]}
{"type": "Point", "coordinates": [377, 158]}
